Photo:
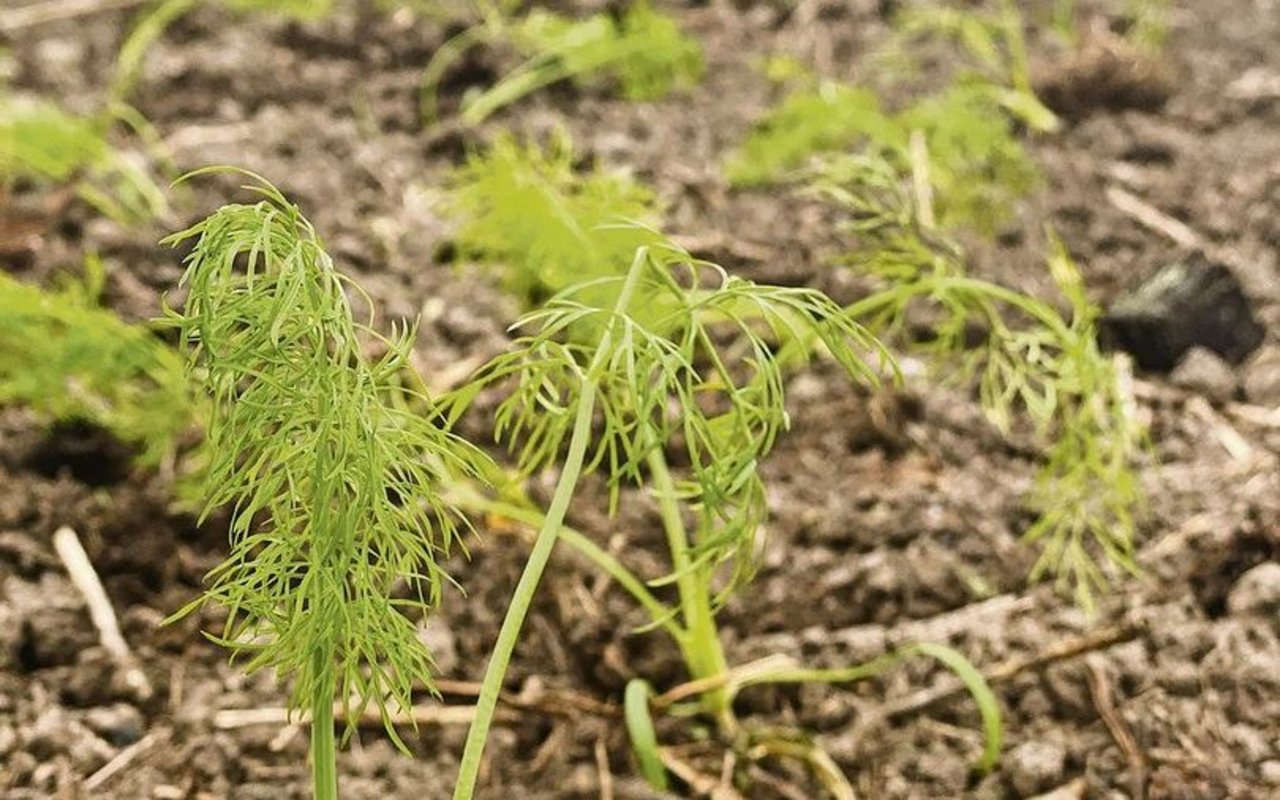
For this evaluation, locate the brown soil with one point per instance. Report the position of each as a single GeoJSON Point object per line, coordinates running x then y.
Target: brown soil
{"type": "Point", "coordinates": [894, 518]}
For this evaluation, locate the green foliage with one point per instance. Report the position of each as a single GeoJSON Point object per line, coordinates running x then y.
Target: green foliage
{"type": "Point", "coordinates": [665, 375]}
{"type": "Point", "coordinates": [640, 51]}
{"type": "Point", "coordinates": [976, 164]}
{"type": "Point", "coordinates": [68, 359]}
{"type": "Point", "coordinates": [337, 529]}
{"type": "Point", "coordinates": [41, 142]}
{"type": "Point", "coordinates": [1149, 23]}
{"type": "Point", "coordinates": [687, 368]}
{"type": "Point", "coordinates": [830, 117]}
{"type": "Point", "coordinates": [994, 42]}
{"type": "Point", "coordinates": [525, 209]}
{"type": "Point", "coordinates": [1033, 360]}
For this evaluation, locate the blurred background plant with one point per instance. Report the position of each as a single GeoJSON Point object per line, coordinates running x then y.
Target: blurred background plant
{"type": "Point", "coordinates": [639, 51]}
{"type": "Point", "coordinates": [543, 226]}
{"type": "Point", "coordinates": [72, 361]}
{"type": "Point", "coordinates": [1028, 358]}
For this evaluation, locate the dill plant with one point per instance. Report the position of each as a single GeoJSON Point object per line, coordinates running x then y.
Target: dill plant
{"type": "Point", "coordinates": [682, 368]}
{"type": "Point", "coordinates": [995, 43]}
{"type": "Point", "coordinates": [44, 143]}
{"type": "Point", "coordinates": [640, 51]}
{"type": "Point", "coordinates": [70, 360]}
{"type": "Point", "coordinates": [976, 164]}
{"type": "Point", "coordinates": [544, 226]}
{"type": "Point", "coordinates": [337, 526]}
{"type": "Point", "coordinates": [970, 125]}
{"type": "Point", "coordinates": [1032, 360]}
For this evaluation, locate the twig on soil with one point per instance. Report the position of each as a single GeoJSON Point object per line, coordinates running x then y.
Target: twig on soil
{"type": "Point", "coordinates": [1060, 651]}
{"type": "Point", "coordinates": [56, 10]}
{"type": "Point", "coordinates": [1154, 219]}
{"type": "Point", "coordinates": [1236, 445]}
{"type": "Point", "coordinates": [602, 769]}
{"type": "Point", "coordinates": [1104, 702]}
{"type": "Point", "coordinates": [232, 718]}
{"type": "Point", "coordinates": [556, 742]}
{"type": "Point", "coordinates": [700, 784]}
{"type": "Point", "coordinates": [123, 759]}
{"type": "Point", "coordinates": [85, 578]}
{"type": "Point", "coordinates": [549, 701]}
{"type": "Point", "coordinates": [553, 703]}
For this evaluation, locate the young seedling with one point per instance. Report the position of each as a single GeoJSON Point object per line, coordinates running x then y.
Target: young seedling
{"type": "Point", "coordinates": [41, 142]}
{"type": "Point", "coordinates": [995, 43]}
{"type": "Point", "coordinates": [1034, 360]}
{"type": "Point", "coordinates": [640, 50]}
{"type": "Point", "coordinates": [977, 162]}
{"type": "Point", "coordinates": [977, 166]}
{"type": "Point", "coordinates": [526, 211]}
{"type": "Point", "coordinates": [683, 361]}
{"type": "Point", "coordinates": [337, 526]}
{"type": "Point", "coordinates": [69, 360]}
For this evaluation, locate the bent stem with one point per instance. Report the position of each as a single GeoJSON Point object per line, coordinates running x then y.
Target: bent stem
{"type": "Point", "coordinates": [522, 598]}
{"type": "Point", "coordinates": [703, 651]}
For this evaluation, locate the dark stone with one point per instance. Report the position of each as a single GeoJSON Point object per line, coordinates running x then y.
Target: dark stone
{"type": "Point", "coordinates": [1186, 304]}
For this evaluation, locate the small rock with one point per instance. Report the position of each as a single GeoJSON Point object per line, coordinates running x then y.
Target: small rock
{"type": "Point", "coordinates": [1257, 591]}
{"type": "Point", "coordinates": [120, 724]}
{"type": "Point", "coordinates": [1262, 377]}
{"type": "Point", "coordinates": [1202, 370]}
{"type": "Point", "coordinates": [1271, 772]}
{"type": "Point", "coordinates": [1035, 767]}
{"type": "Point", "coordinates": [1185, 304]}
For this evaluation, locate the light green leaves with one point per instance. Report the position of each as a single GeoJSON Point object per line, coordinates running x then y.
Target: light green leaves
{"type": "Point", "coordinates": [691, 364]}
{"type": "Point", "coordinates": [70, 360]}
{"type": "Point", "coordinates": [42, 142]}
{"type": "Point", "coordinates": [640, 51]}
{"type": "Point", "coordinates": [828, 118]}
{"type": "Point", "coordinates": [977, 167]}
{"type": "Point", "coordinates": [337, 531]}
{"type": "Point", "coordinates": [545, 227]}
{"type": "Point", "coordinates": [1032, 360]}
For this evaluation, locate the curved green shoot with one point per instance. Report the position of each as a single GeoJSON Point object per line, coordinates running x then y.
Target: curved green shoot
{"type": "Point", "coordinates": [953, 660]}
{"type": "Point", "coordinates": [644, 739]}
{"type": "Point", "coordinates": [657, 371]}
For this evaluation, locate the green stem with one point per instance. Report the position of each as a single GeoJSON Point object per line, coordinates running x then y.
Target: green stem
{"type": "Point", "coordinates": [703, 651]}
{"type": "Point", "coordinates": [522, 598]}
{"type": "Point", "coordinates": [324, 756]}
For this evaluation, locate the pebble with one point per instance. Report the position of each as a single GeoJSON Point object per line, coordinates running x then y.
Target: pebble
{"type": "Point", "coordinates": [1035, 767]}
{"type": "Point", "coordinates": [120, 724]}
{"type": "Point", "coordinates": [1262, 378]}
{"type": "Point", "coordinates": [1205, 372]}
{"type": "Point", "coordinates": [1271, 772]}
{"type": "Point", "coordinates": [1257, 591]}
{"type": "Point", "coordinates": [1185, 304]}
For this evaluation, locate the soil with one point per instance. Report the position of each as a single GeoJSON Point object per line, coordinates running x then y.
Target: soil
{"type": "Point", "coordinates": [894, 517]}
